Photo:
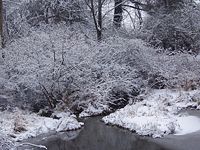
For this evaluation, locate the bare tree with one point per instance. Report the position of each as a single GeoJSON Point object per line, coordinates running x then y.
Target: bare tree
{"type": "Point", "coordinates": [96, 10]}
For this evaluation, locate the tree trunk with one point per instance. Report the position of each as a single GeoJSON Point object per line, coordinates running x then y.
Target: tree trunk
{"type": "Point", "coordinates": [1, 24]}
{"type": "Point", "coordinates": [118, 13]}
{"type": "Point", "coordinates": [99, 21]}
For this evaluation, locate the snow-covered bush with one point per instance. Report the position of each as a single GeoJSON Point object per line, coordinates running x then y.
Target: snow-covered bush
{"type": "Point", "coordinates": [79, 72]}
{"type": "Point", "coordinates": [176, 30]}
{"type": "Point", "coordinates": [20, 16]}
{"type": "Point", "coordinates": [55, 10]}
{"type": "Point", "coordinates": [5, 143]}
{"type": "Point", "coordinates": [71, 67]}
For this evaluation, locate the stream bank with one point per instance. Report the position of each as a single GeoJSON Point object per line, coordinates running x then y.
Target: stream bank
{"type": "Point", "coordinates": [95, 135]}
{"type": "Point", "coordinates": [181, 142]}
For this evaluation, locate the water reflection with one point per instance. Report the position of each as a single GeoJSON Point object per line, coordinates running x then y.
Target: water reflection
{"type": "Point", "coordinates": [97, 136]}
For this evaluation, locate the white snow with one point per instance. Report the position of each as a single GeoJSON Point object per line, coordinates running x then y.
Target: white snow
{"type": "Point", "coordinates": [157, 115]}
{"type": "Point", "coordinates": [144, 120]}
{"type": "Point", "coordinates": [188, 124]}
{"type": "Point", "coordinates": [22, 125]}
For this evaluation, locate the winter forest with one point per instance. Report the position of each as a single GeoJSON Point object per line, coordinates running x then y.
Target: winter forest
{"type": "Point", "coordinates": [99, 74]}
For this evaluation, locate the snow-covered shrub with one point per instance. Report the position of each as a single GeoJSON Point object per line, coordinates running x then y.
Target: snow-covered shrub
{"type": "Point", "coordinates": [80, 72]}
{"type": "Point", "coordinates": [5, 143]}
{"type": "Point", "coordinates": [20, 16]}
{"type": "Point", "coordinates": [56, 10]}
{"type": "Point", "coordinates": [176, 30]}
{"type": "Point", "coordinates": [71, 67]}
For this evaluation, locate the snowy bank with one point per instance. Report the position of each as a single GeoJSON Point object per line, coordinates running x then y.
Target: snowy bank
{"type": "Point", "coordinates": [157, 115]}
{"type": "Point", "coordinates": [21, 125]}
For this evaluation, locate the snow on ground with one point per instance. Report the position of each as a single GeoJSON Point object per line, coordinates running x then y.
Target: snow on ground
{"type": "Point", "coordinates": [188, 124]}
{"type": "Point", "coordinates": [22, 125]}
{"type": "Point", "coordinates": [157, 115]}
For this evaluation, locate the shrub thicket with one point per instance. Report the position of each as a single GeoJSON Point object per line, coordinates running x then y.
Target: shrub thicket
{"type": "Point", "coordinates": [175, 30]}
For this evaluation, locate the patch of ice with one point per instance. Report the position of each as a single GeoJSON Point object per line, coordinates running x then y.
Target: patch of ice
{"type": "Point", "coordinates": [188, 124]}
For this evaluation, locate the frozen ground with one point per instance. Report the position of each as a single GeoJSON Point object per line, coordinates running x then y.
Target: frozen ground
{"type": "Point", "coordinates": [21, 125]}
{"type": "Point", "coordinates": [157, 115]}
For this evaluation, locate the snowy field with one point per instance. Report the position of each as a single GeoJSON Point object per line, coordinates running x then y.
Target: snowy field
{"type": "Point", "coordinates": [157, 115]}
{"type": "Point", "coordinates": [21, 125]}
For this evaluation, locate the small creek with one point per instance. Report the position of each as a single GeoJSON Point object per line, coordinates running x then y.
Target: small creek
{"type": "Point", "coordinates": [95, 135]}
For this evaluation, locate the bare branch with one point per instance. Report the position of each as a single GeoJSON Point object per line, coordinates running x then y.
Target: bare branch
{"type": "Point", "coordinates": [113, 8]}
{"type": "Point", "coordinates": [134, 7]}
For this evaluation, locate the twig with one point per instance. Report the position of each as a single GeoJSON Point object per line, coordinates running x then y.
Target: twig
{"type": "Point", "coordinates": [34, 145]}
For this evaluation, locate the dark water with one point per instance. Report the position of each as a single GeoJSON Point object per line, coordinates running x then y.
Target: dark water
{"type": "Point", "coordinates": [97, 136]}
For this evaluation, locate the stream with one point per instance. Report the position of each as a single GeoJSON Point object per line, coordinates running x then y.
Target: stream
{"type": "Point", "coordinates": [95, 135]}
